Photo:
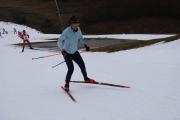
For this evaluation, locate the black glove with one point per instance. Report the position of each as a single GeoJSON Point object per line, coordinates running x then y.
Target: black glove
{"type": "Point", "coordinates": [87, 47]}
{"type": "Point", "coordinates": [64, 53]}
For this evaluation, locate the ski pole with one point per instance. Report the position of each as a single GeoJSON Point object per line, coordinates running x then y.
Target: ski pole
{"type": "Point", "coordinates": [58, 64]}
{"type": "Point", "coordinates": [45, 56]}
{"type": "Point", "coordinates": [62, 62]}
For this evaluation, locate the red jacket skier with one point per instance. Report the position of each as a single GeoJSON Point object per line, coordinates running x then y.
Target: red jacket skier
{"type": "Point", "coordinates": [23, 35]}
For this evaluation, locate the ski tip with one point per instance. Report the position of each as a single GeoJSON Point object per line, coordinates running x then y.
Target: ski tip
{"type": "Point", "coordinates": [127, 87]}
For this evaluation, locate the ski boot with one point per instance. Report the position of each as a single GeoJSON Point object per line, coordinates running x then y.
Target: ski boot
{"type": "Point", "coordinates": [89, 80]}
{"type": "Point", "coordinates": [66, 87]}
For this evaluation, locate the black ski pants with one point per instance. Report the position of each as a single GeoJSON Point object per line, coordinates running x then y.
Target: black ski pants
{"type": "Point", "coordinates": [76, 57]}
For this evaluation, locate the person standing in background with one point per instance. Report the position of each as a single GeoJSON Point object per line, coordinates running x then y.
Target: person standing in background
{"type": "Point", "coordinates": [4, 31]}
{"type": "Point", "coordinates": [15, 31]}
{"type": "Point", "coordinates": [0, 35]}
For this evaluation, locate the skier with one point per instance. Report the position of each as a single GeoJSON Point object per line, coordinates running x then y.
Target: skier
{"type": "Point", "coordinates": [4, 31]}
{"type": "Point", "coordinates": [68, 43]}
{"type": "Point", "coordinates": [15, 31]}
{"type": "Point", "coordinates": [23, 35]}
{"type": "Point", "coordinates": [0, 35]}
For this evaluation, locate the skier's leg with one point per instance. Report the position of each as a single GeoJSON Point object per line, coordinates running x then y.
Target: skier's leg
{"type": "Point", "coordinates": [78, 59]}
{"type": "Point", "coordinates": [23, 45]}
{"type": "Point", "coordinates": [70, 67]}
{"type": "Point", "coordinates": [30, 46]}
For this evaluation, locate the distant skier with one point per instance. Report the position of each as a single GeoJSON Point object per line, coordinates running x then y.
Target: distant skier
{"type": "Point", "coordinates": [68, 43]}
{"type": "Point", "coordinates": [0, 35]}
{"type": "Point", "coordinates": [4, 31]}
{"type": "Point", "coordinates": [23, 35]}
{"type": "Point", "coordinates": [15, 31]}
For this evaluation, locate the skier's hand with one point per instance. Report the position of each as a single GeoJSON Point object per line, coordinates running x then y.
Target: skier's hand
{"type": "Point", "coordinates": [64, 53]}
{"type": "Point", "coordinates": [87, 47]}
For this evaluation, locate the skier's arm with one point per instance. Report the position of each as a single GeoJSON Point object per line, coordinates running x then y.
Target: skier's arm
{"type": "Point", "coordinates": [81, 39]}
{"type": "Point", "coordinates": [60, 44]}
{"type": "Point", "coordinates": [20, 35]}
{"type": "Point", "coordinates": [61, 41]}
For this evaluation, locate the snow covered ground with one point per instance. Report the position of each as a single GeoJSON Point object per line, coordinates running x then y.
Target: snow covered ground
{"type": "Point", "coordinates": [30, 89]}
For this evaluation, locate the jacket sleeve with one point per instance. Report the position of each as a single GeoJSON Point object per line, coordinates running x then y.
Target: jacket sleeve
{"type": "Point", "coordinates": [81, 38]}
{"type": "Point", "coordinates": [20, 35]}
{"type": "Point", "coordinates": [60, 41]}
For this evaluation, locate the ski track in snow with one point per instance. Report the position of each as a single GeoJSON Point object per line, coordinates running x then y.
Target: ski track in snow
{"type": "Point", "coordinates": [30, 89]}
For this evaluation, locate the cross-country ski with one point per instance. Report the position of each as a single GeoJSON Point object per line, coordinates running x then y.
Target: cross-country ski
{"type": "Point", "coordinates": [102, 83]}
{"type": "Point", "coordinates": [69, 94]}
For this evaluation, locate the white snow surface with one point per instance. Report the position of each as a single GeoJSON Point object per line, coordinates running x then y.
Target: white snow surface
{"type": "Point", "coordinates": [30, 89]}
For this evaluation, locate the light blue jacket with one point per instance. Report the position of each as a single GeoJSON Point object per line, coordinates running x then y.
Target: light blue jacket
{"type": "Point", "coordinates": [69, 39]}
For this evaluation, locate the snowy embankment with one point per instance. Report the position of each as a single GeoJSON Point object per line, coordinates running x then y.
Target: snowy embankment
{"type": "Point", "coordinates": [130, 36]}
{"type": "Point", "coordinates": [37, 36]}
{"type": "Point", "coordinates": [30, 89]}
